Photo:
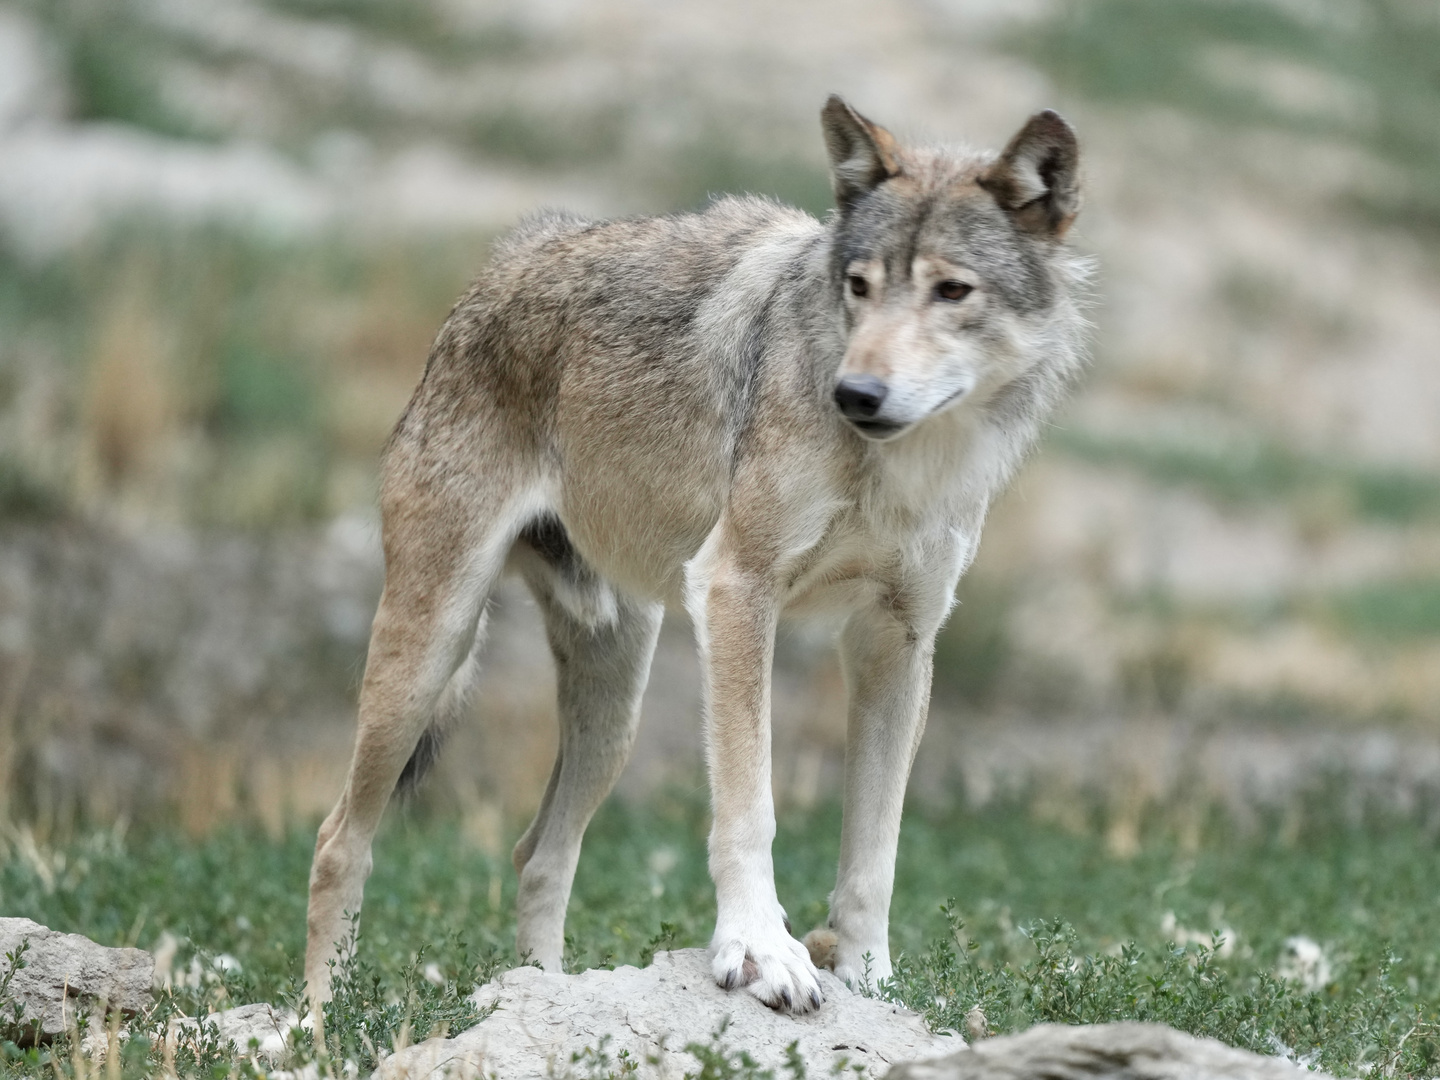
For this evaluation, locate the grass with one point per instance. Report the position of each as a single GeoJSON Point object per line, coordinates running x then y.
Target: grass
{"type": "Point", "coordinates": [422, 25]}
{"type": "Point", "coordinates": [22, 498]}
{"type": "Point", "coordinates": [1361, 73]}
{"type": "Point", "coordinates": [111, 59]}
{"type": "Point", "coordinates": [118, 61]}
{"type": "Point", "coordinates": [974, 651]}
{"type": "Point", "coordinates": [219, 378]}
{"type": "Point", "coordinates": [1391, 610]}
{"type": "Point", "coordinates": [999, 907]}
{"type": "Point", "coordinates": [1261, 473]}
{"type": "Point", "coordinates": [115, 59]}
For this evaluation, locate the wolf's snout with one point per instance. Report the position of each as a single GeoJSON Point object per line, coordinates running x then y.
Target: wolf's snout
{"type": "Point", "coordinates": [860, 396]}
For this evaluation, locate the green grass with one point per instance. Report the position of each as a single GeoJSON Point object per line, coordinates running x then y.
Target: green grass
{"type": "Point", "coordinates": [112, 61]}
{"type": "Point", "coordinates": [715, 161]}
{"type": "Point", "coordinates": [994, 907]}
{"type": "Point", "coordinates": [1323, 492]}
{"type": "Point", "coordinates": [1379, 54]}
{"type": "Point", "coordinates": [421, 25]}
{"type": "Point", "coordinates": [1266, 473]}
{"type": "Point", "coordinates": [23, 498]}
{"type": "Point", "coordinates": [1390, 610]}
{"type": "Point", "coordinates": [974, 650]}
{"type": "Point", "coordinates": [224, 377]}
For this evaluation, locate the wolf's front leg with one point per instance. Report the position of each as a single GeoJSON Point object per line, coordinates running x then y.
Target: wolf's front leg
{"type": "Point", "coordinates": [888, 667]}
{"type": "Point", "coordinates": [735, 612]}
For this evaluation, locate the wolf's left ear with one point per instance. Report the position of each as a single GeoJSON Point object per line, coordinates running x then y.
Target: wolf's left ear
{"type": "Point", "coordinates": [1036, 178]}
{"type": "Point", "coordinates": [862, 154]}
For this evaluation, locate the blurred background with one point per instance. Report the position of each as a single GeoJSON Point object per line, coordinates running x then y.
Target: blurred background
{"type": "Point", "coordinates": [230, 228]}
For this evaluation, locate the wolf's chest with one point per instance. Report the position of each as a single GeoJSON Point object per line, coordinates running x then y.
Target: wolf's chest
{"type": "Point", "coordinates": [910, 527]}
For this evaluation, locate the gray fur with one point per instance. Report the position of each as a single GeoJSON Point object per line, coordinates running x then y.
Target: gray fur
{"type": "Point", "coordinates": [640, 413]}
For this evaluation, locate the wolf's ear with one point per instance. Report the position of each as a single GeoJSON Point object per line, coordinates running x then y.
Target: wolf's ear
{"type": "Point", "coordinates": [862, 154]}
{"type": "Point", "coordinates": [1036, 178]}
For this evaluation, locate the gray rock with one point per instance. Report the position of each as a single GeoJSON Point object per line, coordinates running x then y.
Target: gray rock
{"type": "Point", "coordinates": [266, 1025]}
{"type": "Point", "coordinates": [542, 1021]}
{"type": "Point", "coordinates": [66, 974]}
{"type": "Point", "coordinates": [1092, 1052]}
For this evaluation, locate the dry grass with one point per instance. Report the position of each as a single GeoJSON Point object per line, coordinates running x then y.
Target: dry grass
{"type": "Point", "coordinates": [225, 379]}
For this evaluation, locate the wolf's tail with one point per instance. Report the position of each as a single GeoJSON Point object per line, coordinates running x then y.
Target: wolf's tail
{"type": "Point", "coordinates": [422, 759]}
{"type": "Point", "coordinates": [454, 702]}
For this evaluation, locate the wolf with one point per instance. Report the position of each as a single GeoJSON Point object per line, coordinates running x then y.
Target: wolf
{"type": "Point", "coordinates": [742, 412]}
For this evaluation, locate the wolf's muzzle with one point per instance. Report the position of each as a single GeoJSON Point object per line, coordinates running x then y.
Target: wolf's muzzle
{"type": "Point", "coordinates": [860, 398]}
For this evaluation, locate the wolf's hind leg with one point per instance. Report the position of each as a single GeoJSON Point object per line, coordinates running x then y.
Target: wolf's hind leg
{"type": "Point", "coordinates": [439, 571]}
{"type": "Point", "coordinates": [602, 665]}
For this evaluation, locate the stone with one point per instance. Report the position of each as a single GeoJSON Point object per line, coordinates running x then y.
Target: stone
{"type": "Point", "coordinates": [267, 1026]}
{"type": "Point", "coordinates": [66, 974]}
{"type": "Point", "coordinates": [541, 1021]}
{"type": "Point", "coordinates": [1093, 1052]}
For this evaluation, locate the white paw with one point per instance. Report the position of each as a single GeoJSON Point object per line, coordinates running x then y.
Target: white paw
{"type": "Point", "coordinates": [769, 964]}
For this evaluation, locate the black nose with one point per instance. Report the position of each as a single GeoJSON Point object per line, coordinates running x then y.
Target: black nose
{"type": "Point", "coordinates": [860, 396]}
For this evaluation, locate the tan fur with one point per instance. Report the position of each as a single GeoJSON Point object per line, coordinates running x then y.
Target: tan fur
{"type": "Point", "coordinates": [665, 412]}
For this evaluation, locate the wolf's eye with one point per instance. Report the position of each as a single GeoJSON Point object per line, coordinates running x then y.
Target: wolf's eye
{"type": "Point", "coordinates": [953, 290]}
{"type": "Point", "coordinates": [859, 287]}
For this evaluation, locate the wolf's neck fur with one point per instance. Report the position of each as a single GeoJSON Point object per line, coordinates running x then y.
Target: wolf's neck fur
{"type": "Point", "coordinates": [954, 463]}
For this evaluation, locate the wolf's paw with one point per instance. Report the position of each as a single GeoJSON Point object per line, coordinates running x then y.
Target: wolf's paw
{"type": "Point", "coordinates": [774, 967]}
{"type": "Point", "coordinates": [822, 944]}
{"type": "Point", "coordinates": [859, 962]}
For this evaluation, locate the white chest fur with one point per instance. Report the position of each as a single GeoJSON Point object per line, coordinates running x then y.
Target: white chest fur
{"type": "Point", "coordinates": [910, 523]}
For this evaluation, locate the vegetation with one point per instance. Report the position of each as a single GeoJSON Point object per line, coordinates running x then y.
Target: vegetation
{"type": "Point", "coordinates": [999, 907]}
{"type": "Point", "coordinates": [211, 376]}
{"type": "Point", "coordinates": [231, 379]}
{"type": "Point", "coordinates": [1260, 473]}
{"type": "Point", "coordinates": [1360, 73]}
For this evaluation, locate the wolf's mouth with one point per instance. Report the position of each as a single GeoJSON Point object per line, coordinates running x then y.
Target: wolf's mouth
{"type": "Point", "coordinates": [961, 392]}
{"type": "Point", "coordinates": [878, 429]}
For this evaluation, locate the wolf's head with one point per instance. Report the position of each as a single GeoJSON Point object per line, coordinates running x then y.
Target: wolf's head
{"type": "Point", "coordinates": [949, 267]}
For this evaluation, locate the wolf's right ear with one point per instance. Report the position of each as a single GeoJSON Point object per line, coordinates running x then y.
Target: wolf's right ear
{"type": "Point", "coordinates": [862, 155]}
{"type": "Point", "coordinates": [1037, 177]}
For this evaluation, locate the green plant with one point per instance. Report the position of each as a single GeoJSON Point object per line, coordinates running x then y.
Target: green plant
{"type": "Point", "coordinates": [1362, 74]}
{"type": "Point", "coordinates": [1045, 922]}
{"type": "Point", "coordinates": [372, 1013]}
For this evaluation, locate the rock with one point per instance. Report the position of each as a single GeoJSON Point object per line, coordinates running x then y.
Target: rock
{"type": "Point", "coordinates": [267, 1025]}
{"type": "Point", "coordinates": [65, 974]}
{"type": "Point", "coordinates": [541, 1021]}
{"type": "Point", "coordinates": [1091, 1052]}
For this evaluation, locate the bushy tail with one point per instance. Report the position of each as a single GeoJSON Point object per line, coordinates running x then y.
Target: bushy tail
{"type": "Point", "coordinates": [426, 753]}
{"type": "Point", "coordinates": [452, 707]}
